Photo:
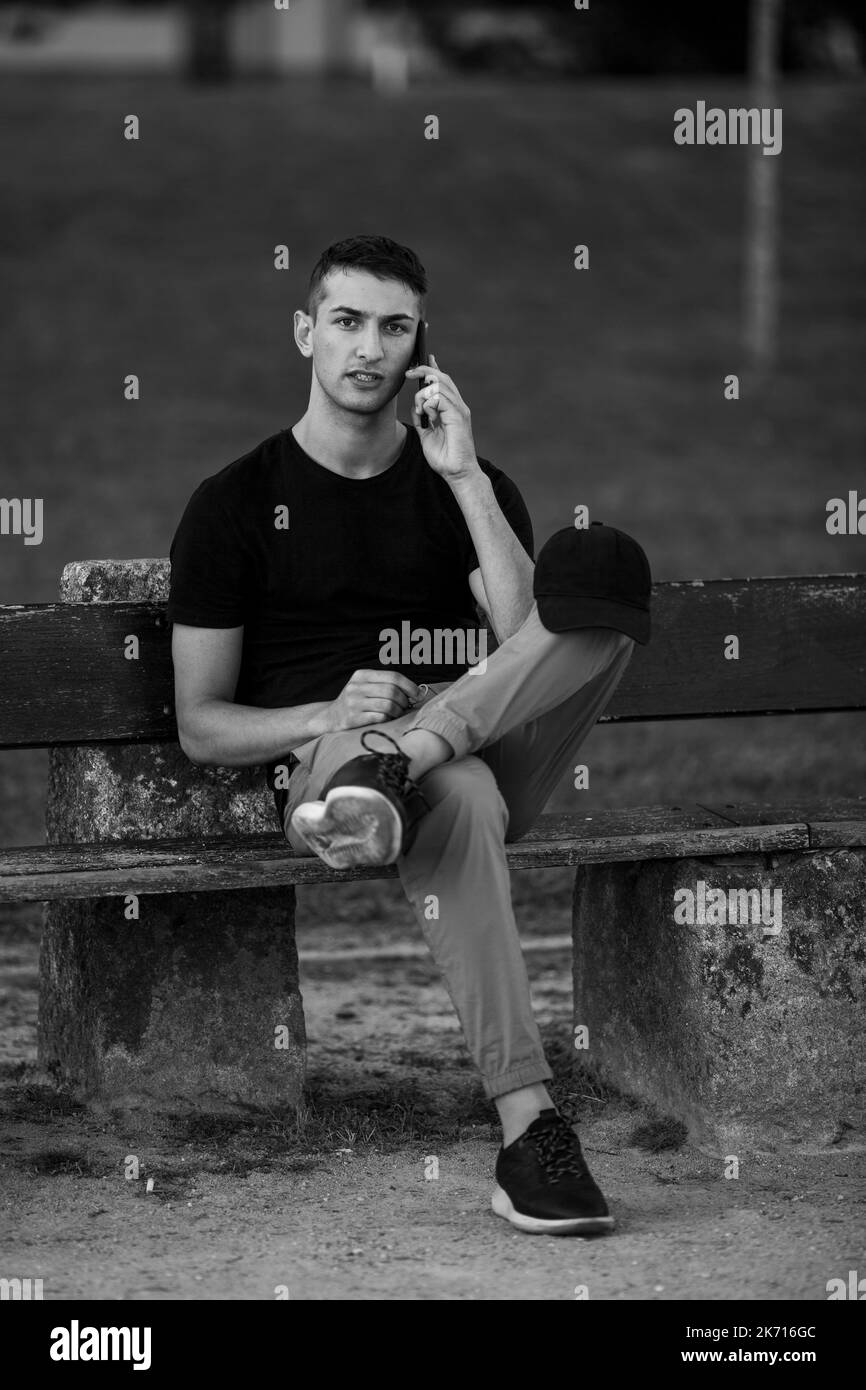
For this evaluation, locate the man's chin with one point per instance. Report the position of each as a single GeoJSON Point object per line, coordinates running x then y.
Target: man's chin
{"type": "Point", "coordinates": [369, 402]}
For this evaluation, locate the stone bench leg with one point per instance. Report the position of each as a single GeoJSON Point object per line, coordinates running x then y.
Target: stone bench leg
{"type": "Point", "coordinates": [195, 1005]}
{"type": "Point", "coordinates": [195, 1002]}
{"type": "Point", "coordinates": [755, 1040]}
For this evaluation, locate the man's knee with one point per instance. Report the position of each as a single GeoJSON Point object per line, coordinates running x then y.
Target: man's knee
{"type": "Point", "coordinates": [467, 782]}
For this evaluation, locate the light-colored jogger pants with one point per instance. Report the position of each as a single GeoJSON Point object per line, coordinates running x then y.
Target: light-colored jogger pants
{"type": "Point", "coordinates": [515, 728]}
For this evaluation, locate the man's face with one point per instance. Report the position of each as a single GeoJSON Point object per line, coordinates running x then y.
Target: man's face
{"type": "Point", "coordinates": [363, 339]}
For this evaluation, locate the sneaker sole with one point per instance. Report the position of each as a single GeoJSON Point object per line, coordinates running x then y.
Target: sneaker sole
{"type": "Point", "coordinates": [353, 825]}
{"type": "Point", "coordinates": [538, 1225]}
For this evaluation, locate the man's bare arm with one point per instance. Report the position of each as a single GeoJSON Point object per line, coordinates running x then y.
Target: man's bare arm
{"type": "Point", "coordinates": [506, 569]}
{"type": "Point", "coordinates": [449, 447]}
{"type": "Point", "coordinates": [214, 731]}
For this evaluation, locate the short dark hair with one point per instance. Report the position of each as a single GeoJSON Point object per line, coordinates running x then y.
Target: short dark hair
{"type": "Point", "coordinates": [378, 255]}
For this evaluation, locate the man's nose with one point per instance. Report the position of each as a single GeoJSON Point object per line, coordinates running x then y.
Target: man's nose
{"type": "Point", "coordinates": [370, 347]}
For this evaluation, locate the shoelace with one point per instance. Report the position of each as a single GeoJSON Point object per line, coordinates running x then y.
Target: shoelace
{"type": "Point", "coordinates": [391, 767]}
{"type": "Point", "coordinates": [559, 1152]}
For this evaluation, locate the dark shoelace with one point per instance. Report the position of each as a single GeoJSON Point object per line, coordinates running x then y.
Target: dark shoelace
{"type": "Point", "coordinates": [559, 1152]}
{"type": "Point", "coordinates": [391, 767]}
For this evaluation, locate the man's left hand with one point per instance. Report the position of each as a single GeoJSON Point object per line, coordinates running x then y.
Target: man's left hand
{"type": "Point", "coordinates": [447, 441]}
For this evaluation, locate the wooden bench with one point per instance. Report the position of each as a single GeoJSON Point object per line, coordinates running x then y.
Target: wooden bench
{"type": "Point", "coordinates": [169, 973]}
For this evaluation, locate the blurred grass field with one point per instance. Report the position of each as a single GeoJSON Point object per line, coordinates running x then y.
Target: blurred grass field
{"type": "Point", "coordinates": [603, 387]}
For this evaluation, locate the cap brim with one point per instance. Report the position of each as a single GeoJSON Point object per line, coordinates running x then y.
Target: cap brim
{"type": "Point", "coordinates": [563, 613]}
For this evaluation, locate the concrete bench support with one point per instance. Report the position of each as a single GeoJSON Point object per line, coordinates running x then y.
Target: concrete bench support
{"type": "Point", "coordinates": [194, 1003]}
{"type": "Point", "coordinates": [754, 1040]}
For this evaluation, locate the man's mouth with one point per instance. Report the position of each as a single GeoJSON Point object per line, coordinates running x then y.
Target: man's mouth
{"type": "Point", "coordinates": [365, 378]}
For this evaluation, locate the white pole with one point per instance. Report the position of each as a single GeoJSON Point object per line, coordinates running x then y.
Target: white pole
{"type": "Point", "coordinates": [762, 192]}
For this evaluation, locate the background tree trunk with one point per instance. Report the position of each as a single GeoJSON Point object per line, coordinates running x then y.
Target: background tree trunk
{"type": "Point", "coordinates": [209, 49]}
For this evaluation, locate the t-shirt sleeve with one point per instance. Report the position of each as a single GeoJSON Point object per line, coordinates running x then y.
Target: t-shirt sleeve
{"type": "Point", "coordinates": [208, 582]}
{"type": "Point", "coordinates": [514, 510]}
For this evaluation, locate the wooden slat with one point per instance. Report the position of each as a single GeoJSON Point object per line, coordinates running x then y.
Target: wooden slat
{"type": "Point", "coordinates": [710, 843]}
{"type": "Point", "coordinates": [802, 648]}
{"type": "Point", "coordinates": [837, 834]}
{"type": "Point", "coordinates": [65, 678]}
{"type": "Point", "coordinates": [155, 853]}
{"type": "Point", "coordinates": [47, 872]}
{"type": "Point", "coordinates": [121, 855]}
{"type": "Point", "coordinates": [836, 824]}
{"type": "Point", "coordinates": [621, 821]}
{"type": "Point", "coordinates": [806, 809]}
{"type": "Point", "coordinates": [802, 644]}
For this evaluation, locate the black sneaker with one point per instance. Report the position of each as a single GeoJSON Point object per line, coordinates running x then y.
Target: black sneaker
{"type": "Point", "coordinates": [544, 1186]}
{"type": "Point", "coordinates": [368, 812]}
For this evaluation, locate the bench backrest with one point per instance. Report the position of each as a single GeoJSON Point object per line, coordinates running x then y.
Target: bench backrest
{"type": "Point", "coordinates": [67, 677]}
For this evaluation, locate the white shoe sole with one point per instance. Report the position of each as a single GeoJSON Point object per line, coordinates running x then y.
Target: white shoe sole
{"type": "Point", "coordinates": [536, 1225]}
{"type": "Point", "coordinates": [353, 825]}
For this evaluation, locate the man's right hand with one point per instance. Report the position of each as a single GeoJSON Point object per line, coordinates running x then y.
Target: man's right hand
{"type": "Point", "coordinates": [369, 697]}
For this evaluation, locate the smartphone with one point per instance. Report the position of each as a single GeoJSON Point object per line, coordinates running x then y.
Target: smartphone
{"type": "Point", "coordinates": [420, 359]}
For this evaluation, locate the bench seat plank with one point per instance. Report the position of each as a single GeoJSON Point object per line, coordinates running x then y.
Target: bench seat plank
{"type": "Point", "coordinates": [837, 824]}
{"type": "Point", "coordinates": [811, 810]}
{"type": "Point", "coordinates": [39, 873]}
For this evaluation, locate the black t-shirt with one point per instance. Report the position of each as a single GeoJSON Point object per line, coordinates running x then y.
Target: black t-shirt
{"type": "Point", "coordinates": [315, 566]}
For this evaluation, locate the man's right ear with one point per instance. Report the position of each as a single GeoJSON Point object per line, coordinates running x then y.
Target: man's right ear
{"type": "Point", "coordinates": [303, 329]}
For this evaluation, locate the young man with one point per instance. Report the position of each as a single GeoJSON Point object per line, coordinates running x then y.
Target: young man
{"type": "Point", "coordinates": [293, 569]}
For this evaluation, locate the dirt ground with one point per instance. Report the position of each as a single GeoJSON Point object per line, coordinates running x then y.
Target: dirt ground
{"type": "Point", "coordinates": [343, 1207]}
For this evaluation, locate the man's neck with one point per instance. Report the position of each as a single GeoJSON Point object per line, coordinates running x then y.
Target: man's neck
{"type": "Point", "coordinates": [358, 446]}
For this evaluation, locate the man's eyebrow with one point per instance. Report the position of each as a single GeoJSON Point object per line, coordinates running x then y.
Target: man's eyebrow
{"type": "Point", "coordinates": [359, 314]}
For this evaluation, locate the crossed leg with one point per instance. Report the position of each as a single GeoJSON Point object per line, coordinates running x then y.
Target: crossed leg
{"type": "Point", "coordinates": [490, 748]}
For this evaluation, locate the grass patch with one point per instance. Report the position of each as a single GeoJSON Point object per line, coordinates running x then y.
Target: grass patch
{"type": "Point", "coordinates": [56, 1163]}
{"type": "Point", "coordinates": [660, 1135]}
{"type": "Point", "coordinates": [387, 1117]}
{"type": "Point", "coordinates": [40, 1105]}
{"type": "Point", "coordinates": [204, 1128]}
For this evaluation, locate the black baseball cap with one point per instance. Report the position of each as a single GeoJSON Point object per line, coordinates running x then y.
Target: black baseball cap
{"type": "Point", "coordinates": [593, 576]}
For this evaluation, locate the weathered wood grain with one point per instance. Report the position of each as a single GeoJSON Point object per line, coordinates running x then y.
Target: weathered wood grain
{"type": "Point", "coordinates": [65, 678]}
{"type": "Point", "coordinates": [832, 824]}
{"type": "Point", "coordinates": [54, 872]}
{"type": "Point", "coordinates": [808, 810]}
{"type": "Point", "coordinates": [837, 834]}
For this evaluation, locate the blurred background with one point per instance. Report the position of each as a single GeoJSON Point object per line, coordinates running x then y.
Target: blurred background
{"type": "Point", "coordinates": [261, 126]}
